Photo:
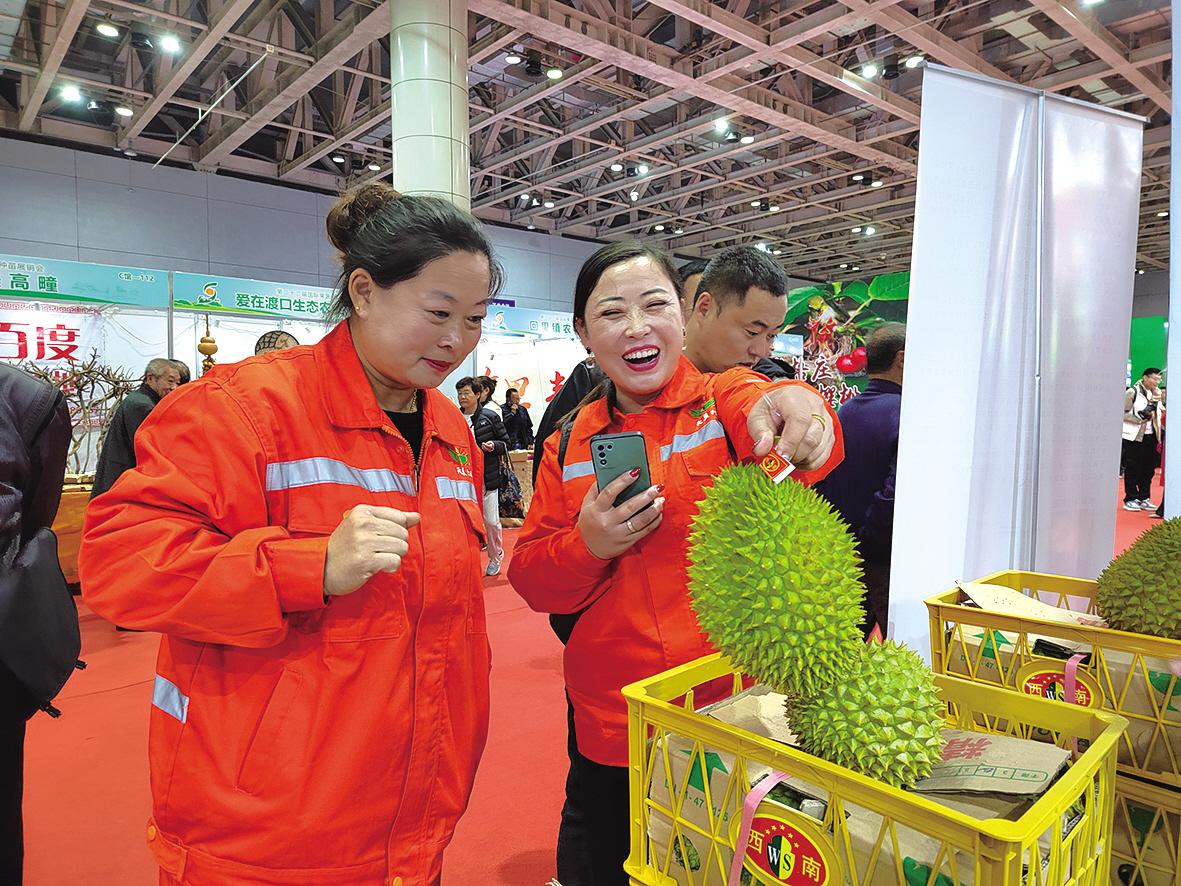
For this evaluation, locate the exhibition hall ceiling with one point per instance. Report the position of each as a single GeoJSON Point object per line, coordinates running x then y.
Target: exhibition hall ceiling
{"type": "Point", "coordinates": [792, 124]}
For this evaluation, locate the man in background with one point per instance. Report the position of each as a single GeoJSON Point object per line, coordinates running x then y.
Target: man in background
{"type": "Point", "coordinates": [118, 452]}
{"type": "Point", "coordinates": [691, 272]}
{"type": "Point", "coordinates": [39, 637]}
{"type": "Point", "coordinates": [736, 311]}
{"type": "Point", "coordinates": [861, 488]}
{"type": "Point", "coordinates": [1142, 433]}
{"type": "Point", "coordinates": [183, 368]}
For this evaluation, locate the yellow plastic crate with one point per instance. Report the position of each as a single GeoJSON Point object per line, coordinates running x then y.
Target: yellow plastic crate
{"type": "Point", "coordinates": [1146, 835]}
{"type": "Point", "coordinates": [1127, 674]}
{"type": "Point", "coordinates": [866, 826]}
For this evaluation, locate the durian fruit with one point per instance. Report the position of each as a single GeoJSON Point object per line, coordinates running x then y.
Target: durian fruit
{"type": "Point", "coordinates": [776, 581]}
{"type": "Point", "coordinates": [883, 718]}
{"type": "Point", "coordinates": [1140, 590]}
{"type": "Point", "coordinates": [690, 850]}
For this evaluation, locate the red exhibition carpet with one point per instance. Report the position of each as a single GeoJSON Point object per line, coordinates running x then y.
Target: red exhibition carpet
{"type": "Point", "coordinates": [86, 783]}
{"type": "Point", "coordinates": [86, 793]}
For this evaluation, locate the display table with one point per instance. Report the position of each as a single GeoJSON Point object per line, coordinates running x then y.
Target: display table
{"type": "Point", "coordinates": [68, 528]}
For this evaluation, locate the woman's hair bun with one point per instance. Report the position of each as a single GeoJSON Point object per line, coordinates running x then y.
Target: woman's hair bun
{"type": "Point", "coordinates": [354, 209]}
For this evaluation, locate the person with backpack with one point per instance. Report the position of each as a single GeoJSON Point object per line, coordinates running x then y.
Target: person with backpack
{"type": "Point", "coordinates": [492, 438]}
{"type": "Point", "coordinates": [39, 637]}
{"type": "Point", "coordinates": [1141, 433]}
{"type": "Point", "coordinates": [623, 567]}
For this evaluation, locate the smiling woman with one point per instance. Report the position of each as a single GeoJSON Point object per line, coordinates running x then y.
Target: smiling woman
{"type": "Point", "coordinates": [620, 569]}
{"type": "Point", "coordinates": [304, 529]}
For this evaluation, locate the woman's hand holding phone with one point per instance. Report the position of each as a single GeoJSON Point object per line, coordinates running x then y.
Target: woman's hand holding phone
{"type": "Point", "coordinates": [609, 531]}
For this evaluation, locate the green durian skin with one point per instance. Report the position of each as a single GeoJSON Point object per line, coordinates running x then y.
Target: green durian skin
{"type": "Point", "coordinates": [882, 719]}
{"type": "Point", "coordinates": [1140, 590]}
{"type": "Point", "coordinates": [776, 581]}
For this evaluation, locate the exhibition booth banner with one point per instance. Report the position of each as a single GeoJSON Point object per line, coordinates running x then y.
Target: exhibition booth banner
{"type": "Point", "coordinates": [536, 367]}
{"type": "Point", "coordinates": [37, 279]}
{"type": "Point", "coordinates": [217, 293]}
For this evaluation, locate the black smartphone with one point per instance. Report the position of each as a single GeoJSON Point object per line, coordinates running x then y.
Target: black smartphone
{"type": "Point", "coordinates": [614, 455]}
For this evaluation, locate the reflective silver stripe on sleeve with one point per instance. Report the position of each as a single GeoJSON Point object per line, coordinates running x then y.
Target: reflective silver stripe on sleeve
{"type": "Point", "coordinates": [711, 430]}
{"type": "Point", "coordinates": [168, 698]}
{"type": "Point", "coordinates": [576, 470]}
{"type": "Point", "coordinates": [464, 490]}
{"type": "Point", "coordinates": [310, 471]}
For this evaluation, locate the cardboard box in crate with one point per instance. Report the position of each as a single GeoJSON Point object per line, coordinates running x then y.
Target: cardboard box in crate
{"type": "Point", "coordinates": [841, 826]}
{"type": "Point", "coordinates": [1126, 674]}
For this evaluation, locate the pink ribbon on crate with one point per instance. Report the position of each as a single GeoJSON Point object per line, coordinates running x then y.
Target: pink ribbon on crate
{"type": "Point", "coordinates": [1070, 672]}
{"type": "Point", "coordinates": [756, 796]}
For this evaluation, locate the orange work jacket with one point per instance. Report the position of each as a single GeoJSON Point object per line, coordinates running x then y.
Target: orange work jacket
{"type": "Point", "coordinates": [294, 741]}
{"type": "Point", "coordinates": [639, 621]}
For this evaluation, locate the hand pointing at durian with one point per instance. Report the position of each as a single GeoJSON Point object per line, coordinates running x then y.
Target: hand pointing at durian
{"type": "Point", "coordinates": [799, 416]}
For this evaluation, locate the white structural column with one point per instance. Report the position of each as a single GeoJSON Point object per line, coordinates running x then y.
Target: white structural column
{"type": "Point", "coordinates": [428, 99]}
{"type": "Point", "coordinates": [1020, 298]}
{"type": "Point", "coordinates": [1173, 357]}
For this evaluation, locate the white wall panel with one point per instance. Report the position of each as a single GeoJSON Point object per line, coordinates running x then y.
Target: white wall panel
{"type": "Point", "coordinates": [264, 238]}
{"type": "Point", "coordinates": [138, 220]}
{"type": "Point", "coordinates": [38, 206]}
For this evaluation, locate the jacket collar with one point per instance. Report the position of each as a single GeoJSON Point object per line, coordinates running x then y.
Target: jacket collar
{"type": "Point", "coordinates": [882, 386]}
{"type": "Point", "coordinates": [348, 397]}
{"type": "Point", "coordinates": [149, 392]}
{"type": "Point", "coordinates": [684, 388]}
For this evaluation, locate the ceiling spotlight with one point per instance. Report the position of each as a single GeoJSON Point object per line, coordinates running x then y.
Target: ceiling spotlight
{"type": "Point", "coordinates": [93, 105]}
{"type": "Point", "coordinates": [107, 29]}
{"type": "Point", "coordinates": [914, 61]}
{"type": "Point", "coordinates": [554, 73]}
{"type": "Point", "coordinates": [1091, 2]}
{"type": "Point", "coordinates": [660, 227]}
{"type": "Point", "coordinates": [532, 63]}
{"type": "Point", "coordinates": [1141, 271]}
{"type": "Point", "coordinates": [130, 153]}
{"type": "Point", "coordinates": [678, 230]}
{"type": "Point", "coordinates": [762, 247]}
{"type": "Point", "coordinates": [525, 198]}
{"type": "Point", "coordinates": [856, 230]}
{"type": "Point", "coordinates": [536, 202]}
{"type": "Point", "coordinates": [617, 167]}
{"type": "Point", "coordinates": [756, 203]}
{"type": "Point", "coordinates": [512, 59]}
{"type": "Point", "coordinates": [844, 265]}
{"type": "Point", "coordinates": [1164, 213]}
{"type": "Point", "coordinates": [549, 204]}
{"type": "Point", "coordinates": [856, 268]}
{"type": "Point", "coordinates": [747, 139]}
{"type": "Point", "coordinates": [532, 227]}
{"type": "Point", "coordinates": [774, 207]}
{"type": "Point", "coordinates": [337, 158]}
{"type": "Point", "coordinates": [876, 183]}
{"type": "Point", "coordinates": [778, 252]}
{"type": "Point", "coordinates": [375, 167]}
{"type": "Point", "coordinates": [721, 126]}
{"type": "Point", "coordinates": [170, 44]}
{"type": "Point", "coordinates": [635, 195]}
{"type": "Point", "coordinates": [858, 176]}
{"type": "Point", "coordinates": [870, 71]}
{"type": "Point", "coordinates": [870, 231]}
{"type": "Point", "coordinates": [71, 94]}
{"type": "Point", "coordinates": [124, 111]}
{"type": "Point", "coordinates": [642, 169]}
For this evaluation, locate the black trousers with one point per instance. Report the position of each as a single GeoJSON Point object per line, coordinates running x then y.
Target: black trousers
{"type": "Point", "coordinates": [595, 836]}
{"type": "Point", "coordinates": [1140, 461]}
{"type": "Point", "coordinates": [13, 714]}
{"type": "Point", "coordinates": [877, 595]}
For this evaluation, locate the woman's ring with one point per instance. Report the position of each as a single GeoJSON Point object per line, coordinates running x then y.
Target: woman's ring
{"type": "Point", "coordinates": [820, 418]}
{"type": "Point", "coordinates": [628, 524]}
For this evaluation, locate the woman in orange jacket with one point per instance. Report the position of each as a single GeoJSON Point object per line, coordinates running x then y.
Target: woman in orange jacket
{"type": "Point", "coordinates": [623, 568]}
{"type": "Point", "coordinates": [304, 529]}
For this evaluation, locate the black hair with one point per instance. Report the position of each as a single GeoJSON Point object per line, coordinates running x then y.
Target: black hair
{"type": "Point", "coordinates": [735, 271]}
{"type": "Point", "coordinates": [509, 393]}
{"type": "Point", "coordinates": [607, 257]}
{"type": "Point", "coordinates": [469, 382]}
{"type": "Point", "coordinates": [691, 267]}
{"type": "Point", "coordinates": [183, 368]}
{"type": "Point", "coordinates": [394, 236]}
{"type": "Point", "coordinates": [882, 346]}
{"type": "Point", "coordinates": [1151, 370]}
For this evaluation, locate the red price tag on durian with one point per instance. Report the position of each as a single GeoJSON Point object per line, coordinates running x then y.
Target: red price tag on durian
{"type": "Point", "coordinates": [776, 467]}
